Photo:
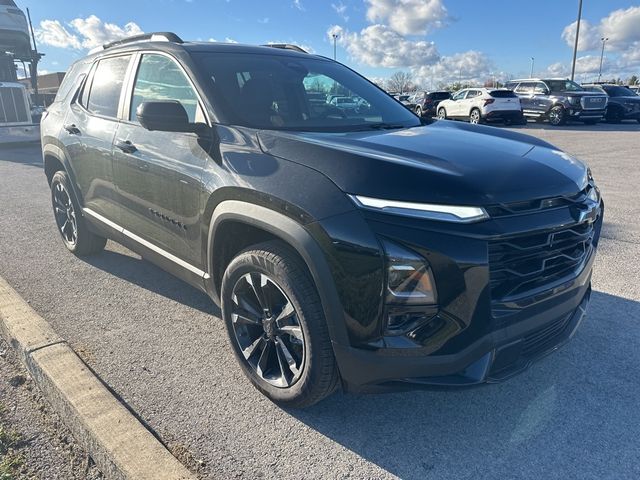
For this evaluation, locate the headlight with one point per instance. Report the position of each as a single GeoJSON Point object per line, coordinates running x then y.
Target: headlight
{"type": "Point", "coordinates": [446, 213]}
{"type": "Point", "coordinates": [409, 277]}
{"type": "Point", "coordinates": [574, 100]}
{"type": "Point", "coordinates": [594, 194]}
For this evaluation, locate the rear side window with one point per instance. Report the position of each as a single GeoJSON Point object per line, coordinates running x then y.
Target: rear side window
{"type": "Point", "coordinates": [525, 87]}
{"type": "Point", "coordinates": [71, 80]}
{"type": "Point", "coordinates": [502, 94]}
{"type": "Point", "coordinates": [106, 86]}
{"type": "Point", "coordinates": [159, 78]}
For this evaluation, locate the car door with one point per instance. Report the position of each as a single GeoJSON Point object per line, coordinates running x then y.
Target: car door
{"type": "Point", "coordinates": [158, 174]}
{"type": "Point", "coordinates": [89, 128]}
{"type": "Point", "coordinates": [540, 101]}
{"type": "Point", "coordinates": [469, 102]}
{"type": "Point", "coordinates": [525, 92]}
{"type": "Point", "coordinates": [455, 107]}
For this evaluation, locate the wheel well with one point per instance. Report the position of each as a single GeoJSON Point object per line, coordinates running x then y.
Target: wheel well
{"type": "Point", "coordinates": [231, 238]}
{"type": "Point", "coordinates": [51, 166]}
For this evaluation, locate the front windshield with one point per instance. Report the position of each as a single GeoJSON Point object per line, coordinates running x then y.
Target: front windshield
{"type": "Point", "coordinates": [563, 86]}
{"type": "Point", "coordinates": [281, 92]}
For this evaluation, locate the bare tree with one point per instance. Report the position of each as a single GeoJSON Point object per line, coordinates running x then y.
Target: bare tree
{"type": "Point", "coordinates": [400, 82]}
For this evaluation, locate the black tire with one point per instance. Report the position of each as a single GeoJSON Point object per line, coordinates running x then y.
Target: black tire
{"type": "Point", "coordinates": [613, 115]}
{"type": "Point", "coordinates": [475, 117]}
{"type": "Point", "coordinates": [317, 375]}
{"type": "Point", "coordinates": [557, 116]}
{"type": "Point", "coordinates": [72, 226]}
{"type": "Point", "coordinates": [442, 114]}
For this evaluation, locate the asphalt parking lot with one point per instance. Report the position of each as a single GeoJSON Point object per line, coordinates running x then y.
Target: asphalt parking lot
{"type": "Point", "coordinates": [161, 346]}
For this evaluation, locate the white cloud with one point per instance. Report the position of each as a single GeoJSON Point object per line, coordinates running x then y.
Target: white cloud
{"type": "Point", "coordinates": [96, 32]}
{"type": "Point", "coordinates": [298, 5]}
{"type": "Point", "coordinates": [341, 9]}
{"type": "Point", "coordinates": [622, 27]}
{"type": "Point", "coordinates": [469, 67]}
{"type": "Point", "coordinates": [264, 20]}
{"type": "Point", "coordinates": [380, 46]}
{"type": "Point", "coordinates": [409, 17]}
{"type": "Point", "coordinates": [53, 33]}
{"type": "Point", "coordinates": [88, 32]}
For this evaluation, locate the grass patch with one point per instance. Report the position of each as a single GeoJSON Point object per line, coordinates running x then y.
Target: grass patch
{"type": "Point", "coordinates": [10, 463]}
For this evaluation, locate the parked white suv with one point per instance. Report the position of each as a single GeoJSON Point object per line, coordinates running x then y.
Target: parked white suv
{"type": "Point", "coordinates": [478, 105]}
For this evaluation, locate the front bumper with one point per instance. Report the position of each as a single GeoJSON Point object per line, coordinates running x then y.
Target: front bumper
{"type": "Point", "coordinates": [581, 114]}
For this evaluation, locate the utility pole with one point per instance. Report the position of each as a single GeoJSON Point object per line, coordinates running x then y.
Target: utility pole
{"type": "Point", "coordinates": [34, 62]}
{"type": "Point", "coordinates": [335, 39]}
{"type": "Point", "coordinates": [575, 45]}
{"type": "Point", "coordinates": [532, 61]}
{"type": "Point", "coordinates": [603, 40]}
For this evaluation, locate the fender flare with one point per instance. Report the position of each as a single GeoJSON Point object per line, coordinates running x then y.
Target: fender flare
{"type": "Point", "coordinates": [297, 237]}
{"type": "Point", "coordinates": [57, 153]}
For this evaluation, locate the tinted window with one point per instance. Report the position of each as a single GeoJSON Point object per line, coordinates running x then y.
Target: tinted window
{"type": "Point", "coordinates": [474, 93]}
{"type": "Point", "coordinates": [511, 85]}
{"type": "Point", "coordinates": [563, 86]}
{"type": "Point", "coordinates": [440, 95]}
{"type": "Point", "coordinates": [616, 91]}
{"type": "Point", "coordinates": [502, 94]}
{"type": "Point", "coordinates": [160, 78]}
{"type": "Point", "coordinates": [540, 87]}
{"type": "Point", "coordinates": [107, 85]}
{"type": "Point", "coordinates": [460, 95]}
{"type": "Point", "coordinates": [72, 78]}
{"type": "Point", "coordinates": [270, 91]}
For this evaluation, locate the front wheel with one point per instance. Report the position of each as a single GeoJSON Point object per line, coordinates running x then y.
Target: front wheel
{"type": "Point", "coordinates": [276, 326]}
{"type": "Point", "coordinates": [557, 116]}
{"type": "Point", "coordinates": [442, 114]}
{"type": "Point", "coordinates": [72, 226]}
{"type": "Point", "coordinates": [475, 117]}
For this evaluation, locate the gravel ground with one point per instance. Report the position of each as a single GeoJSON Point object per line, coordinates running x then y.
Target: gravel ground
{"type": "Point", "coordinates": [33, 442]}
{"type": "Point", "coordinates": [161, 345]}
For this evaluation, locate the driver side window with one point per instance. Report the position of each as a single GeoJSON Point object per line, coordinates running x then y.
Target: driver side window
{"type": "Point", "coordinates": [460, 95]}
{"type": "Point", "coordinates": [159, 78]}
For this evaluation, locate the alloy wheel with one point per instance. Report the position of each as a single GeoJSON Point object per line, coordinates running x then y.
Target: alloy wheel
{"type": "Point", "coordinates": [267, 329]}
{"type": "Point", "coordinates": [474, 117]}
{"type": "Point", "coordinates": [442, 114]}
{"type": "Point", "coordinates": [65, 214]}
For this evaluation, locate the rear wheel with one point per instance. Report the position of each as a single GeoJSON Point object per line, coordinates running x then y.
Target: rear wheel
{"type": "Point", "coordinates": [557, 116]}
{"type": "Point", "coordinates": [277, 327]}
{"type": "Point", "coordinates": [72, 226]}
{"type": "Point", "coordinates": [475, 117]}
{"type": "Point", "coordinates": [419, 111]}
{"type": "Point", "coordinates": [442, 114]}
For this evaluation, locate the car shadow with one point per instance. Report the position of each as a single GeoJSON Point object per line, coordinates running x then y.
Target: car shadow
{"type": "Point", "coordinates": [144, 274]}
{"type": "Point", "coordinates": [627, 126]}
{"type": "Point", "coordinates": [574, 413]}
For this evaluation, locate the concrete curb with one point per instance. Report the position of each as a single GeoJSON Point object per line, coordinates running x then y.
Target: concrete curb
{"type": "Point", "coordinates": [119, 444]}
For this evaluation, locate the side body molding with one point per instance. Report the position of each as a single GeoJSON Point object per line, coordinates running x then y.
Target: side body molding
{"type": "Point", "coordinates": [298, 238]}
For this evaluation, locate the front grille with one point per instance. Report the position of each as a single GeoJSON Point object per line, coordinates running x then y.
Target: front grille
{"type": "Point", "coordinates": [593, 102]}
{"type": "Point", "coordinates": [537, 205]}
{"type": "Point", "coordinates": [522, 264]}
{"type": "Point", "coordinates": [13, 108]}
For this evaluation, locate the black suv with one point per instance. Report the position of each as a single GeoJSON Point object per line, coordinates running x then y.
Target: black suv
{"type": "Point", "coordinates": [558, 100]}
{"type": "Point", "coordinates": [623, 103]}
{"type": "Point", "coordinates": [366, 250]}
{"type": "Point", "coordinates": [425, 104]}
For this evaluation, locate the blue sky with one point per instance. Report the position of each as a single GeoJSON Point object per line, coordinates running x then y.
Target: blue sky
{"type": "Point", "coordinates": [433, 39]}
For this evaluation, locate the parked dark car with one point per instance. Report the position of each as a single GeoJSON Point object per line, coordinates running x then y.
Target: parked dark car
{"type": "Point", "coordinates": [425, 104]}
{"type": "Point", "coordinates": [368, 251]}
{"type": "Point", "coordinates": [623, 103]}
{"type": "Point", "coordinates": [558, 100]}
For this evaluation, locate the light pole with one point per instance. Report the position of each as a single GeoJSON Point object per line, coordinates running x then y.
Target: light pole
{"type": "Point", "coordinates": [335, 39]}
{"type": "Point", "coordinates": [532, 61]}
{"type": "Point", "coordinates": [575, 45]}
{"type": "Point", "coordinates": [603, 40]}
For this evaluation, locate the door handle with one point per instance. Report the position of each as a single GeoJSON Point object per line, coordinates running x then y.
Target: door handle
{"type": "Point", "coordinates": [144, 166]}
{"type": "Point", "coordinates": [71, 129]}
{"type": "Point", "coordinates": [126, 146]}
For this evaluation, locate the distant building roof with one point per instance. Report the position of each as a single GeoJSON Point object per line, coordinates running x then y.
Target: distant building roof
{"type": "Point", "coordinates": [47, 83]}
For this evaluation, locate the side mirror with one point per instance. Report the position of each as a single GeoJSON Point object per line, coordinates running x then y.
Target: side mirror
{"type": "Point", "coordinates": [165, 116]}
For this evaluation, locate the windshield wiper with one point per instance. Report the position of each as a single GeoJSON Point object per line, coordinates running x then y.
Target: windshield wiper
{"type": "Point", "coordinates": [380, 126]}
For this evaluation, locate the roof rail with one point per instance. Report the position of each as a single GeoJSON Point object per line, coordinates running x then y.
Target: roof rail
{"type": "Point", "coordinates": [153, 37]}
{"type": "Point", "coordinates": [286, 46]}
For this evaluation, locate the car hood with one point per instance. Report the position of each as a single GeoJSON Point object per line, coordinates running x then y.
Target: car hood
{"type": "Point", "coordinates": [445, 162]}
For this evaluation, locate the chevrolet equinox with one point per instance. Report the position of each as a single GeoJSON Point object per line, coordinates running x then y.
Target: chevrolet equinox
{"type": "Point", "coordinates": [356, 247]}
